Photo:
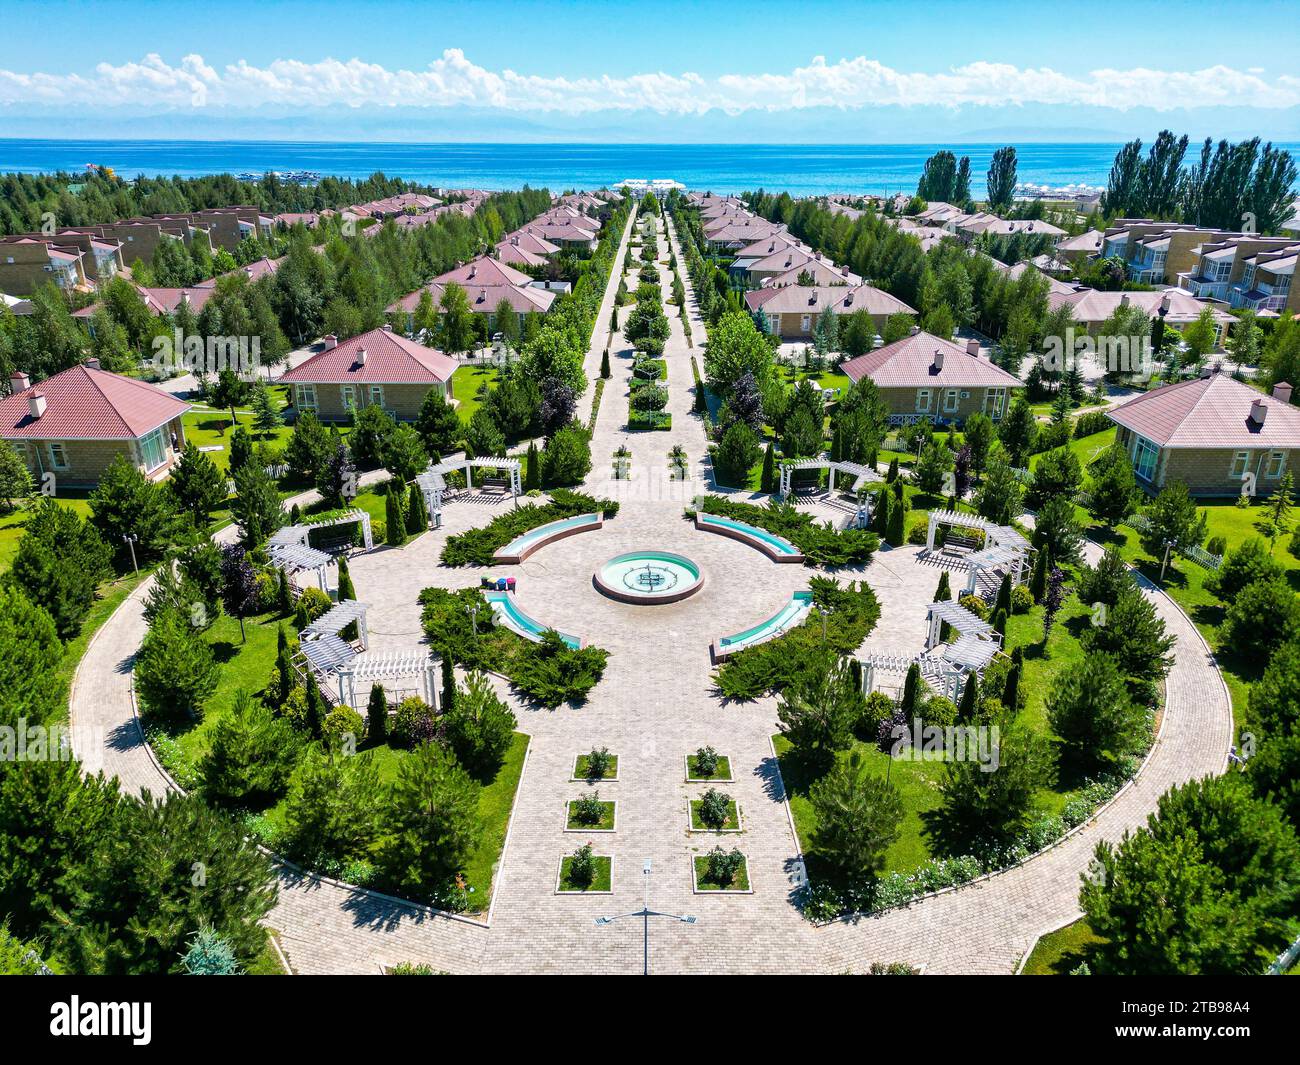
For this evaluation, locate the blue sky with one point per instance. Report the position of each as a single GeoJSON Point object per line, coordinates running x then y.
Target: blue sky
{"type": "Point", "coordinates": [559, 69]}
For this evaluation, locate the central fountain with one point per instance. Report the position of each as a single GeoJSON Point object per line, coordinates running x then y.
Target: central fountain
{"type": "Point", "coordinates": [649, 577]}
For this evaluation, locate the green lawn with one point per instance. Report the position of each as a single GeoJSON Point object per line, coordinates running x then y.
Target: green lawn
{"type": "Point", "coordinates": [601, 881]}
{"type": "Point", "coordinates": [248, 665]}
{"type": "Point", "coordinates": [605, 824]}
{"type": "Point", "coordinates": [11, 525]}
{"type": "Point", "coordinates": [208, 427]}
{"type": "Point", "coordinates": [1059, 953]}
{"type": "Point", "coordinates": [740, 882]}
{"type": "Point", "coordinates": [1086, 448]}
{"type": "Point", "coordinates": [469, 385]}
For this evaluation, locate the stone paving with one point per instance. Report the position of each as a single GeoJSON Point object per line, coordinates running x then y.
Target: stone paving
{"type": "Point", "coordinates": [655, 705]}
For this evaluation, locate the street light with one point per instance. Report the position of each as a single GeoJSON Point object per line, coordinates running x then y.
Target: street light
{"type": "Point", "coordinates": [825, 613]}
{"type": "Point", "coordinates": [472, 611]}
{"type": "Point", "coordinates": [1165, 561]}
{"type": "Point", "coordinates": [130, 540]}
{"type": "Point", "coordinates": [645, 913]}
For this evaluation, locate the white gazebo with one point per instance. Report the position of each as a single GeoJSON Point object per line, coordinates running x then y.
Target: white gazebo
{"type": "Point", "coordinates": [862, 475]}
{"type": "Point", "coordinates": [1004, 548]}
{"type": "Point", "coordinates": [433, 481]}
{"type": "Point", "coordinates": [392, 665]}
{"type": "Point", "coordinates": [295, 558]}
{"type": "Point", "coordinates": [338, 618]}
{"type": "Point", "coordinates": [289, 535]}
{"type": "Point", "coordinates": [966, 622]}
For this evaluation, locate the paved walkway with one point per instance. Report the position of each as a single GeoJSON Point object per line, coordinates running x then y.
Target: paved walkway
{"type": "Point", "coordinates": [655, 705]}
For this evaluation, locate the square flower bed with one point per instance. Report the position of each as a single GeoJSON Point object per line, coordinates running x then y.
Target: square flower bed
{"type": "Point", "coordinates": [583, 766]}
{"type": "Point", "coordinates": [699, 764]}
{"type": "Point", "coordinates": [715, 811]}
{"type": "Point", "coordinates": [720, 872]}
{"type": "Point", "coordinates": [585, 873]}
{"type": "Point", "coordinates": [590, 814]}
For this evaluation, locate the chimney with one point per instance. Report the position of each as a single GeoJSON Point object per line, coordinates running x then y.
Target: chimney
{"type": "Point", "coordinates": [19, 382]}
{"type": "Point", "coordinates": [1282, 391]}
{"type": "Point", "coordinates": [388, 327]}
{"type": "Point", "coordinates": [1207, 371]}
{"type": "Point", "coordinates": [1165, 300]}
{"type": "Point", "coordinates": [92, 363]}
{"type": "Point", "coordinates": [361, 356]}
{"type": "Point", "coordinates": [973, 347]}
{"type": "Point", "coordinates": [36, 404]}
{"type": "Point", "coordinates": [331, 342]}
{"type": "Point", "coordinates": [1124, 300]}
{"type": "Point", "coordinates": [914, 330]}
{"type": "Point", "coordinates": [938, 360]}
{"type": "Point", "coordinates": [1258, 412]}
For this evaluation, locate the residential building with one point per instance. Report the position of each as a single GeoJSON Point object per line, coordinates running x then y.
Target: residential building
{"type": "Point", "coordinates": [1218, 436]}
{"type": "Point", "coordinates": [1081, 248]}
{"type": "Point", "coordinates": [379, 367]}
{"type": "Point", "coordinates": [487, 283]}
{"type": "Point", "coordinates": [74, 424]}
{"type": "Point", "coordinates": [1245, 271]}
{"type": "Point", "coordinates": [926, 378]}
{"type": "Point", "coordinates": [1178, 308]}
{"type": "Point", "coordinates": [792, 311]}
{"type": "Point", "coordinates": [28, 263]}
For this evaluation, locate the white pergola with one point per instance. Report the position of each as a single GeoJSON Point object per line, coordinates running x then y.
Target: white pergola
{"type": "Point", "coordinates": [967, 623]}
{"type": "Point", "coordinates": [295, 558]}
{"type": "Point", "coordinates": [941, 675]}
{"type": "Point", "coordinates": [1004, 547]}
{"type": "Point", "coordinates": [338, 618]}
{"type": "Point", "coordinates": [325, 656]}
{"type": "Point", "coordinates": [433, 481]}
{"type": "Point", "coordinates": [290, 535]}
{"type": "Point", "coordinates": [373, 668]}
{"type": "Point", "coordinates": [862, 475]}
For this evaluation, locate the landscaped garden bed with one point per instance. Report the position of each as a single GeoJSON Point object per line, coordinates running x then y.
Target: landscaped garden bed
{"type": "Point", "coordinates": [715, 811]}
{"type": "Point", "coordinates": [585, 873]}
{"type": "Point", "coordinates": [590, 813]}
{"type": "Point", "coordinates": [597, 764]}
{"type": "Point", "coordinates": [476, 547]}
{"type": "Point", "coordinates": [720, 872]}
{"type": "Point", "coordinates": [706, 766]}
{"type": "Point", "coordinates": [821, 545]}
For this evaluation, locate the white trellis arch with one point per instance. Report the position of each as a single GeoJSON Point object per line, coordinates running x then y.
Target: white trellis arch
{"type": "Point", "coordinates": [433, 481]}
{"type": "Point", "coordinates": [338, 618]}
{"type": "Point", "coordinates": [391, 665]}
{"type": "Point", "coordinates": [1004, 548]}
{"type": "Point", "coordinates": [295, 558]}
{"type": "Point", "coordinates": [862, 475]}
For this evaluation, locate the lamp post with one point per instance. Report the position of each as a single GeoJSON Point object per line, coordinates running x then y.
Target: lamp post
{"type": "Point", "coordinates": [130, 540]}
{"type": "Point", "coordinates": [1165, 561]}
{"type": "Point", "coordinates": [472, 611]}
{"type": "Point", "coordinates": [824, 615]}
{"type": "Point", "coordinates": [645, 913]}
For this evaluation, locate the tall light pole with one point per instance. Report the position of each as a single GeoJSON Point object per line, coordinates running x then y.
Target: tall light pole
{"type": "Point", "coordinates": [130, 539]}
{"type": "Point", "coordinates": [472, 611]}
{"type": "Point", "coordinates": [645, 913]}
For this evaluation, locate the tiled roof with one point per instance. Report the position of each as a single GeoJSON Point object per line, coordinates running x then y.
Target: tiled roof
{"type": "Point", "coordinates": [909, 363]}
{"type": "Point", "coordinates": [1209, 412]}
{"type": "Point", "coordinates": [84, 403]}
{"type": "Point", "coordinates": [484, 271]}
{"type": "Point", "coordinates": [391, 359]}
{"type": "Point", "coordinates": [1091, 305]}
{"type": "Point", "coordinates": [842, 299]}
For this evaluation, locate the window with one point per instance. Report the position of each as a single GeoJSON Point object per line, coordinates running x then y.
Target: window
{"type": "Point", "coordinates": [1240, 464]}
{"type": "Point", "coordinates": [306, 397]}
{"type": "Point", "coordinates": [377, 395]}
{"type": "Point", "coordinates": [58, 456]}
{"type": "Point", "coordinates": [774, 322]}
{"type": "Point", "coordinates": [347, 397]}
{"type": "Point", "coordinates": [805, 323]}
{"type": "Point", "coordinates": [1145, 457]}
{"type": "Point", "coordinates": [922, 399]}
{"type": "Point", "coordinates": [994, 400]}
{"type": "Point", "coordinates": [153, 452]}
{"type": "Point", "coordinates": [951, 399]}
{"type": "Point", "coordinates": [1276, 464]}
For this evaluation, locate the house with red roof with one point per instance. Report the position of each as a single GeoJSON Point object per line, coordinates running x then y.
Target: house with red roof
{"type": "Point", "coordinates": [379, 367]}
{"type": "Point", "coordinates": [74, 424]}
{"type": "Point", "coordinates": [487, 283]}
{"type": "Point", "coordinates": [792, 311]}
{"type": "Point", "coordinates": [1218, 436]}
{"type": "Point", "coordinates": [926, 378]}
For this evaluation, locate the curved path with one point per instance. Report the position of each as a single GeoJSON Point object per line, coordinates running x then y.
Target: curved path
{"type": "Point", "coordinates": [654, 705]}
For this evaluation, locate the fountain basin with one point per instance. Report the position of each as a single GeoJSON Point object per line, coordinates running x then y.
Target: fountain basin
{"type": "Point", "coordinates": [647, 577]}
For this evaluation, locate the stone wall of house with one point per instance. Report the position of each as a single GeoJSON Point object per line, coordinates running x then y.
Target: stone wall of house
{"type": "Point", "coordinates": [88, 459]}
{"type": "Point", "coordinates": [1208, 472]}
{"type": "Point", "coordinates": [401, 400]}
{"type": "Point", "coordinates": [903, 401]}
{"type": "Point", "coordinates": [790, 325]}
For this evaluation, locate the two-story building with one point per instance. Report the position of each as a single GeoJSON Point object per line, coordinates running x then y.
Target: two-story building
{"type": "Point", "coordinates": [926, 378]}
{"type": "Point", "coordinates": [1245, 271]}
{"type": "Point", "coordinates": [73, 425]}
{"type": "Point", "coordinates": [379, 367]}
{"type": "Point", "coordinates": [1218, 436]}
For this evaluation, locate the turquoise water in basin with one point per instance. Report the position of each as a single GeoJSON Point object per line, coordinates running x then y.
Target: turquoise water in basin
{"type": "Point", "coordinates": [780, 545]}
{"type": "Point", "coordinates": [509, 614]}
{"type": "Point", "coordinates": [787, 617]}
{"type": "Point", "coordinates": [533, 535]}
{"type": "Point", "coordinates": [649, 575]}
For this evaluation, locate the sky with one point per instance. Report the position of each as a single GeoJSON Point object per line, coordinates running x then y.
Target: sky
{"type": "Point", "coordinates": [813, 71]}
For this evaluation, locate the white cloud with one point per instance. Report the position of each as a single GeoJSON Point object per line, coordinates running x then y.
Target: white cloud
{"type": "Point", "coordinates": [455, 81]}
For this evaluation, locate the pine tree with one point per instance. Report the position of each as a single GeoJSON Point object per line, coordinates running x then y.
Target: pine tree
{"type": "Point", "coordinates": [897, 534]}
{"type": "Point", "coordinates": [316, 708]}
{"type": "Point", "coordinates": [913, 693]}
{"type": "Point", "coordinates": [1038, 578]}
{"type": "Point", "coordinates": [417, 516]}
{"type": "Point", "coordinates": [349, 631]}
{"type": "Point", "coordinates": [1279, 507]}
{"type": "Point", "coordinates": [970, 698]}
{"type": "Point", "coordinates": [394, 519]}
{"type": "Point", "coordinates": [448, 684]}
{"type": "Point", "coordinates": [1011, 687]}
{"type": "Point", "coordinates": [1003, 601]}
{"type": "Point", "coordinates": [284, 674]}
{"type": "Point", "coordinates": [377, 716]}
{"type": "Point", "coordinates": [892, 475]}
{"type": "Point", "coordinates": [283, 595]}
{"type": "Point", "coordinates": [266, 418]}
{"type": "Point", "coordinates": [533, 472]}
{"type": "Point", "coordinates": [1000, 622]}
{"type": "Point", "coordinates": [769, 481]}
{"type": "Point", "coordinates": [943, 594]}
{"type": "Point", "coordinates": [604, 365]}
{"type": "Point", "coordinates": [880, 519]}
